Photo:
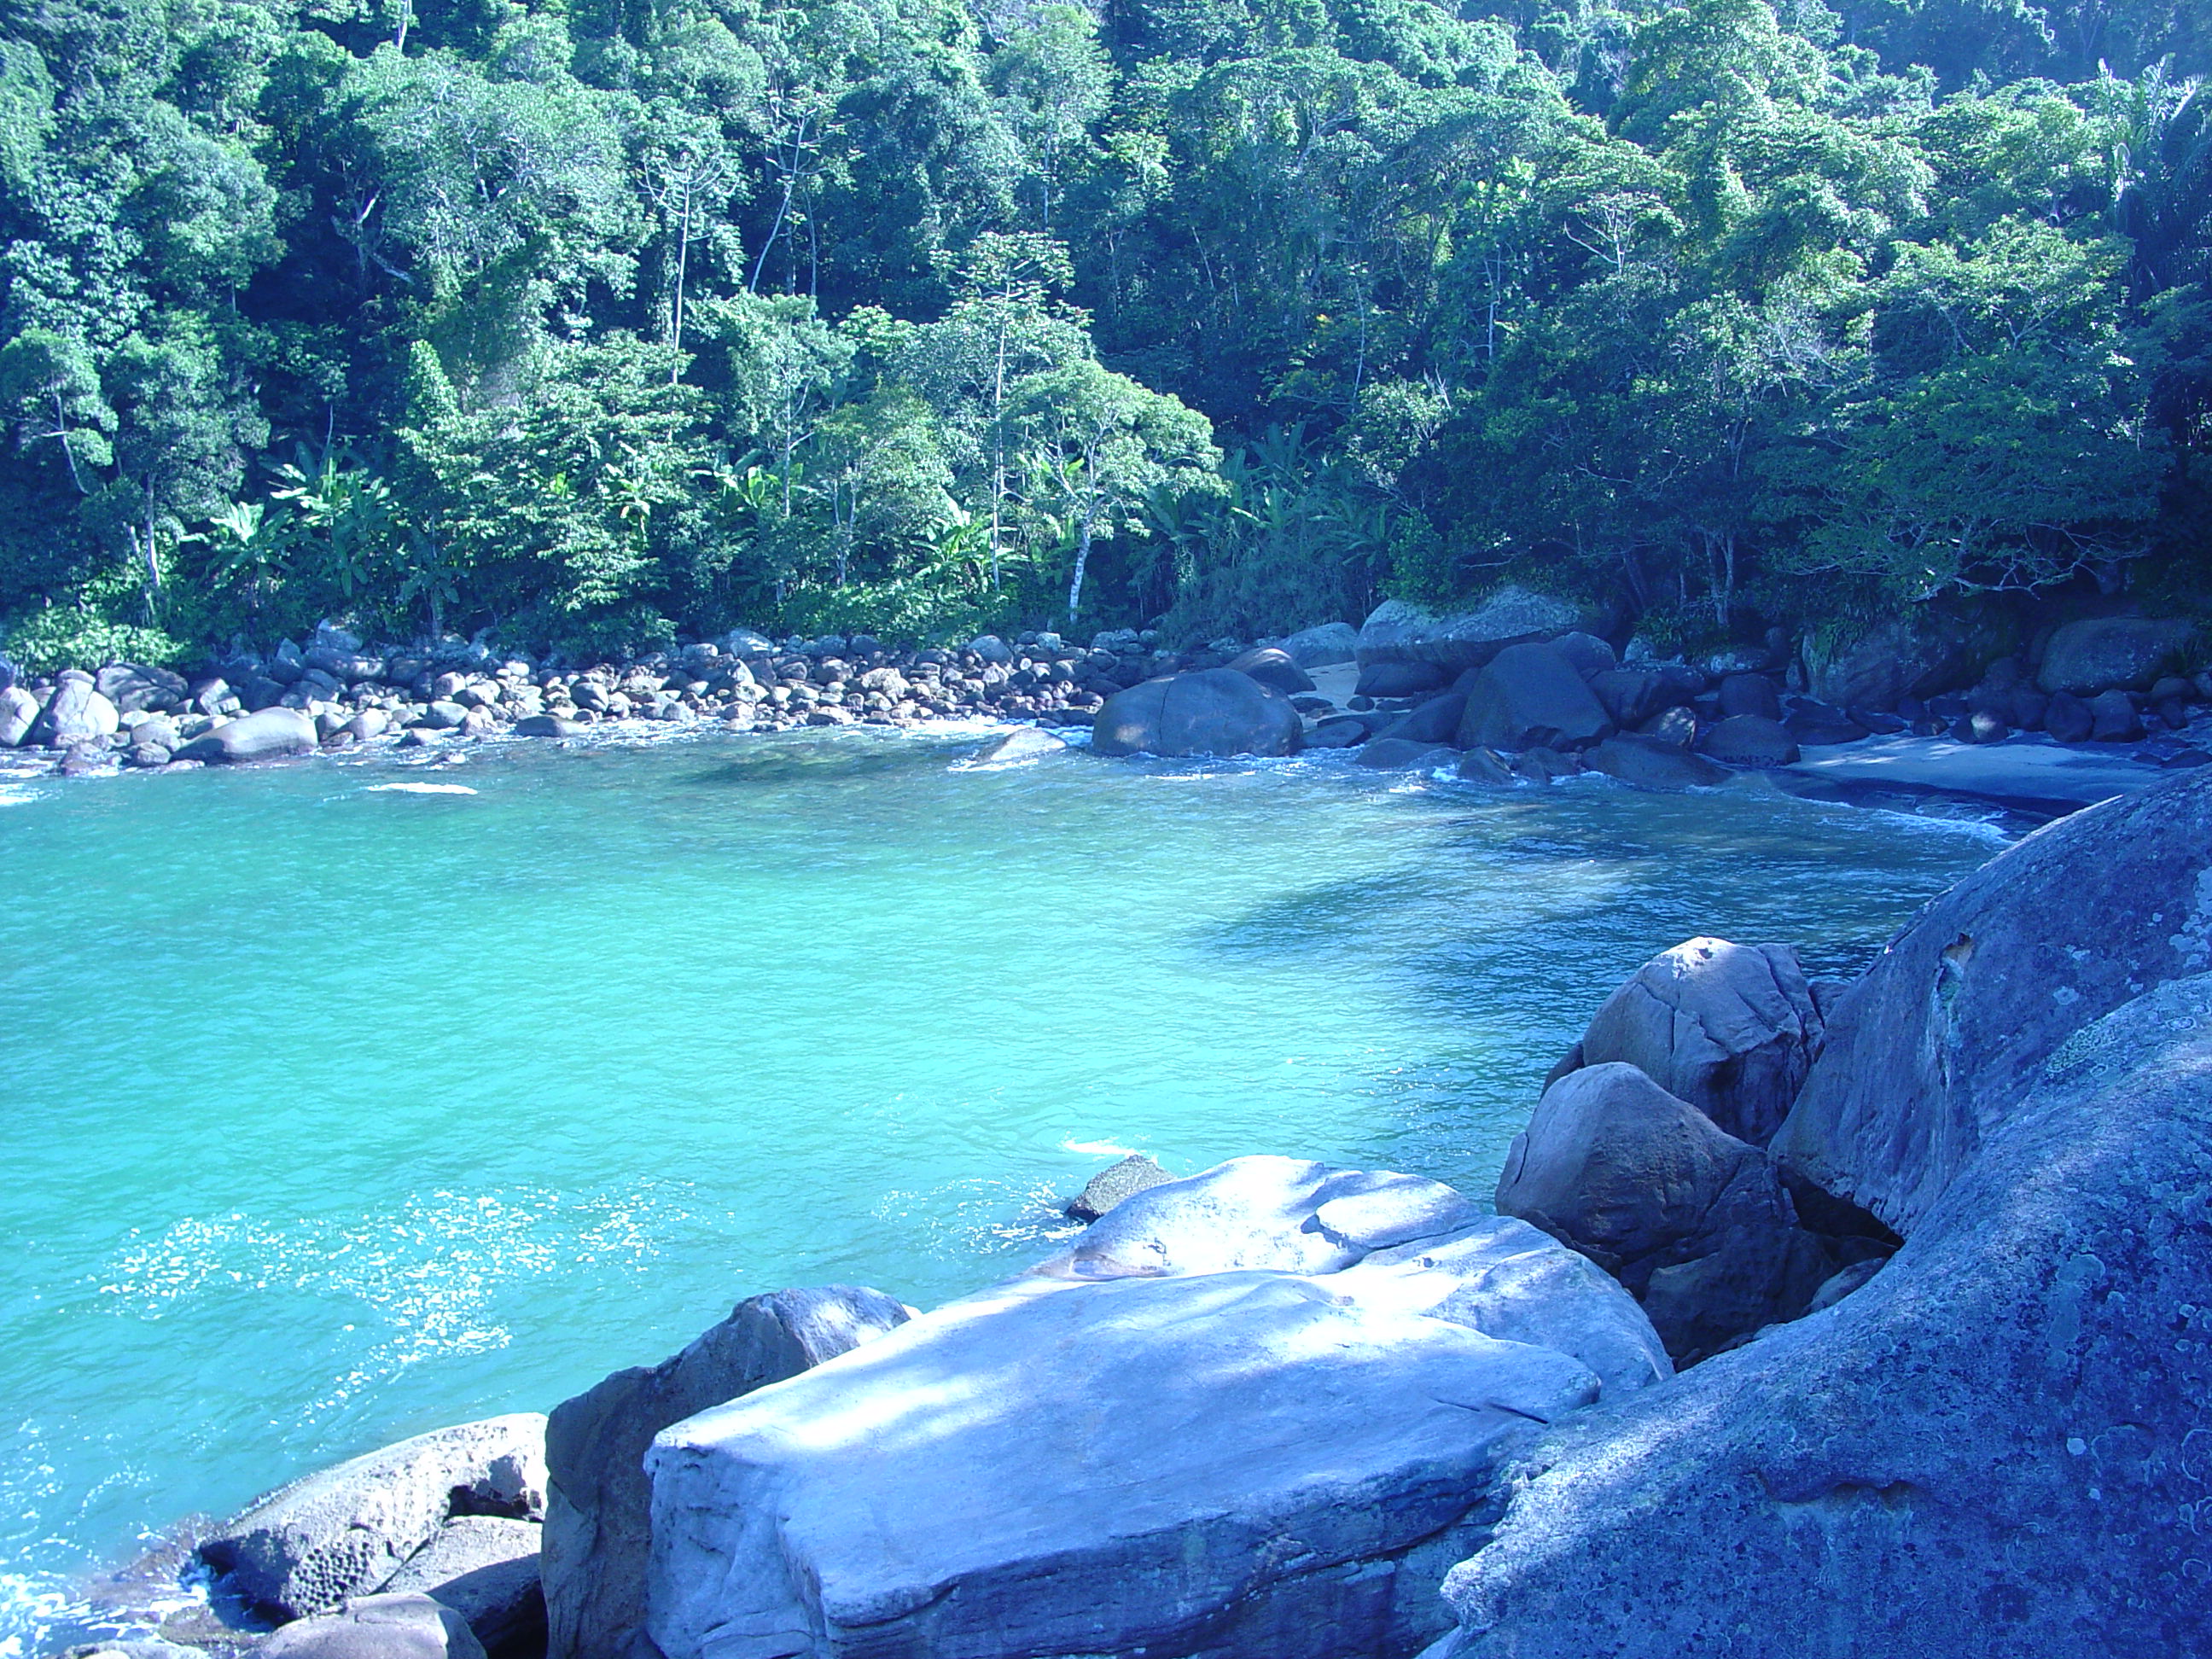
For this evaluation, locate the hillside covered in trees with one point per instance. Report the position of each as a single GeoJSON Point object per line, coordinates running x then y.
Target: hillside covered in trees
{"type": "Point", "coordinates": [591, 322]}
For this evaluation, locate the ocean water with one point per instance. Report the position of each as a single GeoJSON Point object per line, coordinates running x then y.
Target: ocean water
{"type": "Point", "coordinates": [343, 1100]}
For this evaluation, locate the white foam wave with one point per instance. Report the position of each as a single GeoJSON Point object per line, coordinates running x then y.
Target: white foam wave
{"type": "Point", "coordinates": [419, 789]}
{"type": "Point", "coordinates": [1098, 1148]}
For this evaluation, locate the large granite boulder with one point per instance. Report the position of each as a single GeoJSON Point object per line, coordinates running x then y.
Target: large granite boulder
{"type": "Point", "coordinates": [1929, 1052]}
{"type": "Point", "coordinates": [598, 1526]}
{"type": "Point", "coordinates": [1732, 1028]}
{"type": "Point", "coordinates": [484, 1567]}
{"type": "Point", "coordinates": [1993, 1449]}
{"type": "Point", "coordinates": [1914, 655]}
{"type": "Point", "coordinates": [75, 714]}
{"type": "Point", "coordinates": [1275, 667]}
{"type": "Point", "coordinates": [135, 688]}
{"type": "Point", "coordinates": [262, 735]}
{"type": "Point", "coordinates": [1233, 1464]}
{"type": "Point", "coordinates": [2105, 653]}
{"type": "Point", "coordinates": [344, 1531]}
{"type": "Point", "coordinates": [1696, 1223]}
{"type": "Point", "coordinates": [1395, 679]}
{"type": "Point", "coordinates": [1250, 1412]}
{"type": "Point", "coordinates": [1216, 711]}
{"type": "Point", "coordinates": [1322, 646]}
{"type": "Point", "coordinates": [1528, 696]}
{"type": "Point", "coordinates": [19, 711]}
{"type": "Point", "coordinates": [1439, 1254]}
{"type": "Point", "coordinates": [1399, 631]}
{"type": "Point", "coordinates": [402, 1626]}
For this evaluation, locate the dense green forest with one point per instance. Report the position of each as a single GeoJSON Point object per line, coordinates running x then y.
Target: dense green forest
{"type": "Point", "coordinates": [593, 321]}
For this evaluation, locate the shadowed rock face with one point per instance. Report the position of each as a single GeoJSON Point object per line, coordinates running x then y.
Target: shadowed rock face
{"type": "Point", "coordinates": [1732, 1028]}
{"type": "Point", "coordinates": [1694, 1221]}
{"type": "Point", "coordinates": [1531, 695]}
{"type": "Point", "coordinates": [1926, 1055]}
{"type": "Point", "coordinates": [598, 1527]}
{"type": "Point", "coordinates": [1993, 1449]}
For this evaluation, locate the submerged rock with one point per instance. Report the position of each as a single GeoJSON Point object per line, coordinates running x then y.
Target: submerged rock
{"type": "Point", "coordinates": [1023, 743]}
{"type": "Point", "coordinates": [1653, 763]}
{"type": "Point", "coordinates": [598, 1525]}
{"type": "Point", "coordinates": [344, 1531]}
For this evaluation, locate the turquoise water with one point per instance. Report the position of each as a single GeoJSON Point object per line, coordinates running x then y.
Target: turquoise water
{"type": "Point", "coordinates": [340, 1103]}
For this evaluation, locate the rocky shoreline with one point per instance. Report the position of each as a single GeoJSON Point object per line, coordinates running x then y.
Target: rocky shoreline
{"type": "Point", "coordinates": [1812, 1319]}
{"type": "Point", "coordinates": [1519, 690]}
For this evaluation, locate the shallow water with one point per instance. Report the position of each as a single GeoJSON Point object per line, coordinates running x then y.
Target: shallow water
{"type": "Point", "coordinates": [345, 1100]}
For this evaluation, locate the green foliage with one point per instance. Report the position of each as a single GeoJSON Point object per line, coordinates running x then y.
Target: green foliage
{"type": "Point", "coordinates": [592, 323]}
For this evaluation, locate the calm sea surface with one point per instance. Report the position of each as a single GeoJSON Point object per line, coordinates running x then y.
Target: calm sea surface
{"type": "Point", "coordinates": [341, 1101]}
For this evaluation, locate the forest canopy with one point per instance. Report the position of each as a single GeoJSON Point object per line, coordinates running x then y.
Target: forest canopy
{"type": "Point", "coordinates": [595, 322]}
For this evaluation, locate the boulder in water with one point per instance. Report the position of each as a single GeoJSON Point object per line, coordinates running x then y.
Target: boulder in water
{"type": "Point", "coordinates": [1927, 1055]}
{"type": "Point", "coordinates": [19, 711]}
{"type": "Point", "coordinates": [1750, 741]}
{"type": "Point", "coordinates": [1530, 696]}
{"type": "Point", "coordinates": [1436, 721]}
{"type": "Point", "coordinates": [1988, 1448]}
{"type": "Point", "coordinates": [262, 735]}
{"type": "Point", "coordinates": [75, 714]}
{"type": "Point", "coordinates": [1132, 1175]}
{"type": "Point", "coordinates": [1695, 1222]}
{"type": "Point", "coordinates": [1650, 763]}
{"type": "Point", "coordinates": [1216, 711]}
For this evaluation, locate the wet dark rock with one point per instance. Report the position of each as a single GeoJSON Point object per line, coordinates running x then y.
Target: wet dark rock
{"type": "Point", "coordinates": [1434, 722]}
{"type": "Point", "coordinates": [1651, 762]}
{"type": "Point", "coordinates": [1344, 732]}
{"type": "Point", "coordinates": [2103, 654]}
{"type": "Point", "coordinates": [1213, 712]}
{"type": "Point", "coordinates": [1132, 1175]}
{"type": "Point", "coordinates": [1485, 766]}
{"type": "Point", "coordinates": [1407, 753]}
{"type": "Point", "coordinates": [1528, 696]}
{"type": "Point", "coordinates": [1750, 741]}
